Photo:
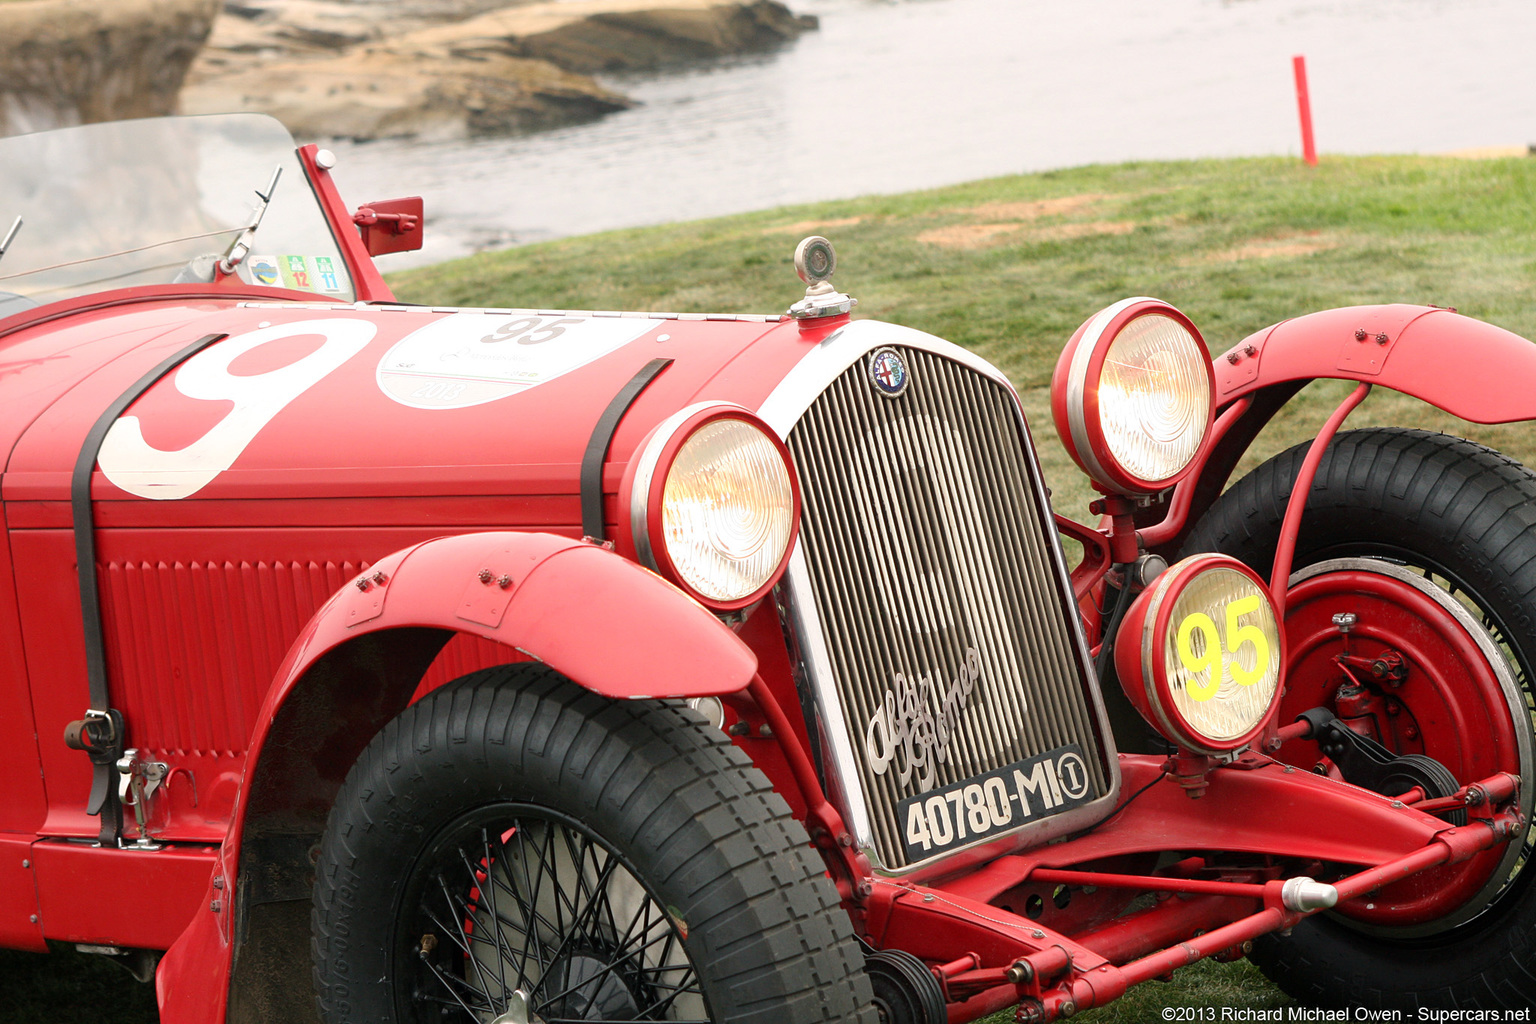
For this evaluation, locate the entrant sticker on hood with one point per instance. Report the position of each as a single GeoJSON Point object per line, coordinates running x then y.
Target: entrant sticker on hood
{"type": "Point", "coordinates": [469, 359]}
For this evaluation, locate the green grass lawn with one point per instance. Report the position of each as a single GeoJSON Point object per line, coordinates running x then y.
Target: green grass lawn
{"type": "Point", "coordinates": [1009, 268]}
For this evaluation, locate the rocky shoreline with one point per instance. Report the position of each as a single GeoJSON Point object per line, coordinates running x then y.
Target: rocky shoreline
{"type": "Point", "coordinates": [360, 69]}
{"type": "Point", "coordinates": [73, 61]}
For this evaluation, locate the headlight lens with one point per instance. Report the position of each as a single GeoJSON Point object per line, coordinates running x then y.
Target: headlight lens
{"type": "Point", "coordinates": [1200, 654]}
{"type": "Point", "coordinates": [727, 510]}
{"type": "Point", "coordinates": [1154, 397]}
{"type": "Point", "coordinates": [1134, 396]}
{"type": "Point", "coordinates": [714, 505]}
{"type": "Point", "coordinates": [1221, 654]}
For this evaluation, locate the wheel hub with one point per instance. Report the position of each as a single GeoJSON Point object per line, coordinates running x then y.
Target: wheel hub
{"type": "Point", "coordinates": [1454, 685]}
{"type": "Point", "coordinates": [585, 986]}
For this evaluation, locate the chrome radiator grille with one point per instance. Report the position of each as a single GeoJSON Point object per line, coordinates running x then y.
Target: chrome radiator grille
{"type": "Point", "coordinates": [945, 620]}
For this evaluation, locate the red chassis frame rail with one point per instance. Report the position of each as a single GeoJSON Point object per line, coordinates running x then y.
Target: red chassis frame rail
{"type": "Point", "coordinates": [1252, 806]}
{"type": "Point", "coordinates": [1015, 960]}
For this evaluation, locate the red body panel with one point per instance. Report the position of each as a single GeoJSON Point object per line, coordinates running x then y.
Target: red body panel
{"type": "Point", "coordinates": [203, 597]}
{"type": "Point", "coordinates": [1469, 368]}
{"type": "Point", "coordinates": [153, 895]}
{"type": "Point", "coordinates": [657, 642]}
{"type": "Point", "coordinates": [20, 923]}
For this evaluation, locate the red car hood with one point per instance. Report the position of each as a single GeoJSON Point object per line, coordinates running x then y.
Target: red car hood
{"type": "Point", "coordinates": [344, 403]}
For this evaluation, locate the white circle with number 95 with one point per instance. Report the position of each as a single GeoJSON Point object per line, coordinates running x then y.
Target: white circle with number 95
{"type": "Point", "coordinates": [468, 359]}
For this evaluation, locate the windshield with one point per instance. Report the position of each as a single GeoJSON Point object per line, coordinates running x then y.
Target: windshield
{"type": "Point", "coordinates": [158, 201]}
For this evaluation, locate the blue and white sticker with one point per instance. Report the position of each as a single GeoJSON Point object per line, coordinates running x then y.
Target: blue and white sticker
{"type": "Point", "coordinates": [264, 270]}
{"type": "Point", "coordinates": [468, 359]}
{"type": "Point", "coordinates": [888, 372]}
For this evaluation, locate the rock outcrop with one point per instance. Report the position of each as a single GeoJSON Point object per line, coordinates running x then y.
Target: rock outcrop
{"type": "Point", "coordinates": [328, 68]}
{"type": "Point", "coordinates": [362, 69]}
{"type": "Point", "coordinates": [619, 35]}
{"type": "Point", "coordinates": [381, 93]}
{"type": "Point", "coordinates": [68, 62]}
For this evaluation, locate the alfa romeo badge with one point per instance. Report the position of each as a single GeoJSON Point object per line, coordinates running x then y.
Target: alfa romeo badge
{"type": "Point", "coordinates": [889, 372]}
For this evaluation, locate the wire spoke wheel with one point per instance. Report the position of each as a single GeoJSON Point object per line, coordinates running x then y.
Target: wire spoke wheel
{"type": "Point", "coordinates": [519, 898]}
{"type": "Point", "coordinates": [514, 849]}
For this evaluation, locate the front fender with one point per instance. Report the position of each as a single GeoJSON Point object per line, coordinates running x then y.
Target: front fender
{"type": "Point", "coordinates": [1470, 369]}
{"type": "Point", "coordinates": [593, 616]}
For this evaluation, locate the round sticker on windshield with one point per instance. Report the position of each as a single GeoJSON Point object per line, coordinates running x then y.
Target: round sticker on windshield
{"type": "Point", "coordinates": [469, 359]}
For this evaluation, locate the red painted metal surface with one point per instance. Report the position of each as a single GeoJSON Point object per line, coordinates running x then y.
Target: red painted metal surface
{"type": "Point", "coordinates": [392, 225]}
{"type": "Point", "coordinates": [1484, 382]}
{"type": "Point", "coordinates": [24, 805]}
{"type": "Point", "coordinates": [1170, 920]}
{"type": "Point", "coordinates": [1177, 517]}
{"type": "Point", "coordinates": [1148, 883]}
{"type": "Point", "coordinates": [1458, 712]}
{"type": "Point", "coordinates": [1285, 549]}
{"type": "Point", "coordinates": [1399, 346]}
{"type": "Point", "coordinates": [140, 900]}
{"type": "Point", "coordinates": [365, 276]}
{"type": "Point", "coordinates": [1255, 806]}
{"type": "Point", "coordinates": [20, 922]}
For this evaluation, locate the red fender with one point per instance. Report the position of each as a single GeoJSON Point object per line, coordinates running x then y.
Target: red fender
{"type": "Point", "coordinates": [597, 618]}
{"type": "Point", "coordinates": [1471, 369]}
{"type": "Point", "coordinates": [1468, 368]}
{"type": "Point", "coordinates": [592, 615]}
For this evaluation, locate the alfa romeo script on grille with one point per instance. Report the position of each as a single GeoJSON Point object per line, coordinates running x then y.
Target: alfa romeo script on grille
{"type": "Point", "coordinates": [1003, 798]}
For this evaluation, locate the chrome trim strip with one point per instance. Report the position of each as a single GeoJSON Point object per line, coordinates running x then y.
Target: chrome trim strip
{"type": "Point", "coordinates": [1077, 384]}
{"type": "Point", "coordinates": [782, 410]}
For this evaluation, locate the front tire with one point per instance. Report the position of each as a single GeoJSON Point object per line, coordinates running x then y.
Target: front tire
{"type": "Point", "coordinates": [512, 832]}
{"type": "Point", "coordinates": [1461, 517]}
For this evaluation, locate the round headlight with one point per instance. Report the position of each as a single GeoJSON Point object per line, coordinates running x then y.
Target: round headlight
{"type": "Point", "coordinates": [1199, 654]}
{"type": "Point", "coordinates": [1133, 396]}
{"type": "Point", "coordinates": [714, 505]}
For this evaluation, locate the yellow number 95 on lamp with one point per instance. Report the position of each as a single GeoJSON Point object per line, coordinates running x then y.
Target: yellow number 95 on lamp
{"type": "Point", "coordinates": [1200, 653]}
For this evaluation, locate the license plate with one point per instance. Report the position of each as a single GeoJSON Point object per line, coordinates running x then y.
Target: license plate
{"type": "Point", "coordinates": [993, 803]}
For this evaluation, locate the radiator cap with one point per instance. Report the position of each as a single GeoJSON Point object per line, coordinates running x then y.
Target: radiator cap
{"type": "Point", "coordinates": [815, 262]}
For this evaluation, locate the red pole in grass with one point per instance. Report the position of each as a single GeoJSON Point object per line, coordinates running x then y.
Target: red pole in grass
{"type": "Point", "coordinates": [1304, 105]}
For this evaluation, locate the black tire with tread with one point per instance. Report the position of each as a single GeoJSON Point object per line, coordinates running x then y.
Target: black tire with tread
{"type": "Point", "coordinates": [672, 795]}
{"type": "Point", "coordinates": [1469, 514]}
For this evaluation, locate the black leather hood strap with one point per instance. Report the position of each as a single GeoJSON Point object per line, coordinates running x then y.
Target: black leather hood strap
{"type": "Point", "coordinates": [100, 732]}
{"type": "Point", "coordinates": [597, 447]}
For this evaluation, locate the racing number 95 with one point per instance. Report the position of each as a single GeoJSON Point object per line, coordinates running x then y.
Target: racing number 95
{"type": "Point", "coordinates": [1200, 648]}
{"type": "Point", "coordinates": [529, 330]}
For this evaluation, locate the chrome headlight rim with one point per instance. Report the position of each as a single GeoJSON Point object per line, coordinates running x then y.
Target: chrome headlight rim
{"type": "Point", "coordinates": [1075, 396]}
{"type": "Point", "coordinates": [646, 494]}
{"type": "Point", "coordinates": [1156, 690]}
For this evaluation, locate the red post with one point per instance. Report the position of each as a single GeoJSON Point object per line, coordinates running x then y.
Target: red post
{"type": "Point", "coordinates": [1304, 105]}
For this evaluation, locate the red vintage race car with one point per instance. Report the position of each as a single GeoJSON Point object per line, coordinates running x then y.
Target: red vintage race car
{"type": "Point", "coordinates": [514, 665]}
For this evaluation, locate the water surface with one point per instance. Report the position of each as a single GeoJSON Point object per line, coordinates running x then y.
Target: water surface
{"type": "Point", "coordinates": [892, 95]}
